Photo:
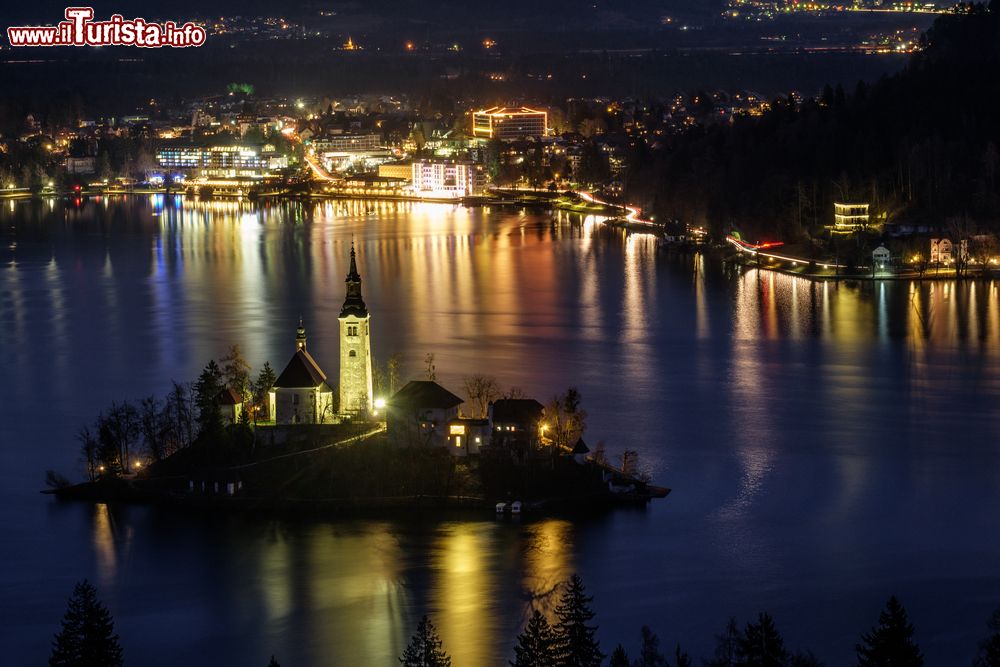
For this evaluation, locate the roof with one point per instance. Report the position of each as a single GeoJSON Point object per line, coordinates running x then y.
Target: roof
{"type": "Point", "coordinates": [301, 371]}
{"type": "Point", "coordinates": [517, 410]}
{"type": "Point", "coordinates": [424, 394]}
{"type": "Point", "coordinates": [506, 111]}
{"type": "Point", "coordinates": [581, 447]}
{"type": "Point", "coordinates": [228, 396]}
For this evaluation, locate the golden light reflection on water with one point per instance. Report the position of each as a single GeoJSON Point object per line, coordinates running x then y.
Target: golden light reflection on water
{"type": "Point", "coordinates": [107, 542]}
{"type": "Point", "coordinates": [548, 561]}
{"type": "Point", "coordinates": [467, 581]}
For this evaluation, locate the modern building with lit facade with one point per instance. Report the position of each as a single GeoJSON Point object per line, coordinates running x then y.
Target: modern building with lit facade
{"type": "Point", "coordinates": [347, 143]}
{"type": "Point", "coordinates": [238, 161]}
{"type": "Point", "coordinates": [509, 124]}
{"type": "Point", "coordinates": [849, 218]}
{"type": "Point", "coordinates": [444, 178]}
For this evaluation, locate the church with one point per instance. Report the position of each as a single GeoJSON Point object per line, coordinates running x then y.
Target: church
{"type": "Point", "coordinates": [301, 394]}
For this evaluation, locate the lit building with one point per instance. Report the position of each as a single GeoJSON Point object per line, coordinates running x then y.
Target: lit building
{"type": "Point", "coordinates": [509, 124]}
{"type": "Point", "coordinates": [442, 178]}
{"type": "Point", "coordinates": [399, 169]}
{"type": "Point", "coordinates": [355, 348]}
{"type": "Point", "coordinates": [347, 143]}
{"type": "Point", "coordinates": [301, 394]}
{"type": "Point", "coordinates": [421, 413]}
{"type": "Point", "coordinates": [849, 218]}
{"type": "Point", "coordinates": [222, 161]}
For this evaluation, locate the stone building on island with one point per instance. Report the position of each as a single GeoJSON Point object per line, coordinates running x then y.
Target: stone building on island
{"type": "Point", "coordinates": [355, 348]}
{"type": "Point", "coordinates": [301, 394]}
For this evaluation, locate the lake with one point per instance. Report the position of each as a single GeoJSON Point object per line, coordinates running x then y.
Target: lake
{"type": "Point", "coordinates": [827, 445]}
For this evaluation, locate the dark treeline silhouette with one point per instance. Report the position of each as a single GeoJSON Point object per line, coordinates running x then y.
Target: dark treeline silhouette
{"type": "Point", "coordinates": [87, 639]}
{"type": "Point", "coordinates": [570, 641]}
{"type": "Point", "coordinates": [922, 146]}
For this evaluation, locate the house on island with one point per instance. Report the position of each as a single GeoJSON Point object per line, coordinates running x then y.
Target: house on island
{"type": "Point", "coordinates": [516, 426]}
{"type": "Point", "coordinates": [230, 406]}
{"type": "Point", "coordinates": [467, 437]}
{"type": "Point", "coordinates": [301, 394]}
{"type": "Point", "coordinates": [420, 414]}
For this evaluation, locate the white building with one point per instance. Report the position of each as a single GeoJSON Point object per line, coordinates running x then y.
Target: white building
{"type": "Point", "coordinates": [355, 348]}
{"type": "Point", "coordinates": [301, 394]}
{"type": "Point", "coordinates": [441, 178]}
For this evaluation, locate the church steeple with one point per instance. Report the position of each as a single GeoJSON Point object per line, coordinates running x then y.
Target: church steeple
{"type": "Point", "coordinates": [300, 337]}
{"type": "Point", "coordinates": [353, 303]}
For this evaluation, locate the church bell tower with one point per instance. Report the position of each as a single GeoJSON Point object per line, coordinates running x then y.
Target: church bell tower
{"type": "Point", "coordinates": [355, 348]}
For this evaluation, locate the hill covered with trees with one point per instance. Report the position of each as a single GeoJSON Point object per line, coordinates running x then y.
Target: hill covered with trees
{"type": "Point", "coordinates": [919, 146]}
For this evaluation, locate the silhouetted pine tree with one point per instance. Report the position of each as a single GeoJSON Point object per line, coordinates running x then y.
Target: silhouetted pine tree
{"type": "Point", "coordinates": [806, 659]}
{"type": "Point", "coordinates": [681, 659]}
{"type": "Point", "coordinates": [890, 643]}
{"type": "Point", "coordinates": [761, 645]}
{"type": "Point", "coordinates": [619, 658]}
{"type": "Point", "coordinates": [88, 636]}
{"type": "Point", "coordinates": [425, 649]}
{"type": "Point", "coordinates": [536, 646]}
{"type": "Point", "coordinates": [725, 646]}
{"type": "Point", "coordinates": [273, 663]}
{"type": "Point", "coordinates": [576, 645]}
{"type": "Point", "coordinates": [649, 652]}
{"type": "Point", "coordinates": [989, 648]}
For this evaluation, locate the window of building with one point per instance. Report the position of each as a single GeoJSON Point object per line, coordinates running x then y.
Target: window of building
{"type": "Point", "coordinates": [352, 353]}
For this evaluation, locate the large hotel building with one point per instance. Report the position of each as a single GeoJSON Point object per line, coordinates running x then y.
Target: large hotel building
{"type": "Point", "coordinates": [509, 124]}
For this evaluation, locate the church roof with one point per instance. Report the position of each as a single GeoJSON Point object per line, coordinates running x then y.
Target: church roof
{"type": "Point", "coordinates": [353, 303]}
{"type": "Point", "coordinates": [424, 394]}
{"type": "Point", "coordinates": [301, 371]}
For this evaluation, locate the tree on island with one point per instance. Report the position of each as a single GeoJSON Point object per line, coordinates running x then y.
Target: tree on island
{"type": "Point", "coordinates": [619, 658]}
{"type": "Point", "coordinates": [273, 663]}
{"type": "Point", "coordinates": [236, 372]}
{"type": "Point", "coordinates": [206, 400]}
{"type": "Point", "coordinates": [536, 645]}
{"type": "Point", "coordinates": [261, 392]}
{"type": "Point", "coordinates": [890, 643]}
{"type": "Point", "coordinates": [425, 648]}
{"type": "Point", "coordinates": [87, 638]}
{"type": "Point", "coordinates": [989, 648]}
{"type": "Point", "coordinates": [429, 369]}
{"type": "Point", "coordinates": [481, 390]}
{"type": "Point", "coordinates": [649, 650]}
{"type": "Point", "coordinates": [576, 644]}
{"type": "Point", "coordinates": [565, 419]}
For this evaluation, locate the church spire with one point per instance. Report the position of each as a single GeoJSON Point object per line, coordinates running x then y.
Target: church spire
{"type": "Point", "coordinates": [353, 303]}
{"type": "Point", "coordinates": [300, 337]}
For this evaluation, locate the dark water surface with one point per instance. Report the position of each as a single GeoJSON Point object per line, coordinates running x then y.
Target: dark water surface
{"type": "Point", "coordinates": [827, 445]}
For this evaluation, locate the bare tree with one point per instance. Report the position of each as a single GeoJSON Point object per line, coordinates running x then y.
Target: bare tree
{"type": "Point", "coordinates": [481, 390]}
{"type": "Point", "coordinates": [236, 371]}
{"type": "Point", "coordinates": [90, 449]}
{"type": "Point", "coordinates": [514, 393]}
{"type": "Point", "coordinates": [429, 365]}
{"type": "Point", "coordinates": [565, 419]}
{"type": "Point", "coordinates": [392, 373]}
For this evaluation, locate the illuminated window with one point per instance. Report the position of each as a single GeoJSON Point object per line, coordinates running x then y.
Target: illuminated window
{"type": "Point", "coordinates": [458, 429]}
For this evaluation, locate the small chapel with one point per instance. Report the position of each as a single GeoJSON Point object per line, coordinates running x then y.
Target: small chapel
{"type": "Point", "coordinates": [301, 394]}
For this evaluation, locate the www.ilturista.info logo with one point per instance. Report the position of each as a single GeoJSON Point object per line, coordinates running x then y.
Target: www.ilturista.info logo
{"type": "Point", "coordinates": [79, 29]}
